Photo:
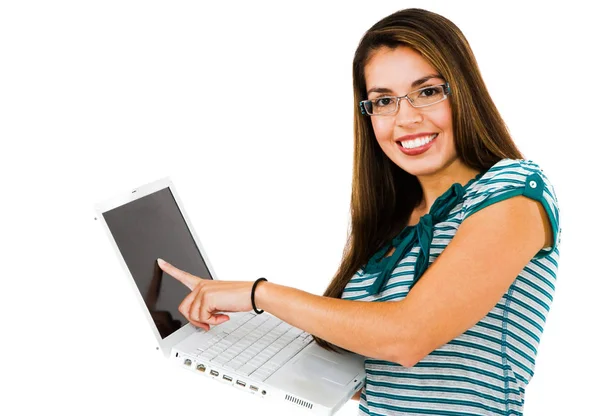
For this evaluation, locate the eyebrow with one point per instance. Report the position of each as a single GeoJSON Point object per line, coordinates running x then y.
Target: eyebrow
{"type": "Point", "coordinates": [414, 84]}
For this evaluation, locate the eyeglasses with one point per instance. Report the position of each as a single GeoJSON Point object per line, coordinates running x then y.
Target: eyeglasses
{"type": "Point", "coordinates": [423, 97]}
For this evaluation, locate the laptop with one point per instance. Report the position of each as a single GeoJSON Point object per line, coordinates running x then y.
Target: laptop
{"type": "Point", "coordinates": [255, 353]}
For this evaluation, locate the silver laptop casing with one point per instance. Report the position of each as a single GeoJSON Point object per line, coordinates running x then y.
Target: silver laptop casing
{"type": "Point", "coordinates": [315, 379]}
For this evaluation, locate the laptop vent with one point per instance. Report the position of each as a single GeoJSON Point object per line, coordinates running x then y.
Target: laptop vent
{"type": "Point", "coordinates": [297, 401]}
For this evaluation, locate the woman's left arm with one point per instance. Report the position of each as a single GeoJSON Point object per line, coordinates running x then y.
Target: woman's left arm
{"type": "Point", "coordinates": [361, 327]}
{"type": "Point", "coordinates": [489, 250]}
{"type": "Point", "coordinates": [463, 284]}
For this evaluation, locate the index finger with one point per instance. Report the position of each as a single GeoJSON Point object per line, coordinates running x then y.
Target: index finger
{"type": "Point", "coordinates": [186, 278]}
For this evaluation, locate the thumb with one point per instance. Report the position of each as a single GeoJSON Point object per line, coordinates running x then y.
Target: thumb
{"type": "Point", "coordinates": [217, 319]}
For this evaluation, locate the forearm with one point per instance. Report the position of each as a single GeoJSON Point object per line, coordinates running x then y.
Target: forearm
{"type": "Point", "coordinates": [372, 329]}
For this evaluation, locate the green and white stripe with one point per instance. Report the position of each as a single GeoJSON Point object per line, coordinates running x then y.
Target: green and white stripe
{"type": "Point", "coordinates": [485, 370]}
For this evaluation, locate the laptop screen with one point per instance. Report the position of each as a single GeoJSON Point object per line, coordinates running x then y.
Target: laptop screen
{"type": "Point", "coordinates": [153, 227]}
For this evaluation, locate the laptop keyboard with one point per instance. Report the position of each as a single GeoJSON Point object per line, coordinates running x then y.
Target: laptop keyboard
{"type": "Point", "coordinates": [253, 345]}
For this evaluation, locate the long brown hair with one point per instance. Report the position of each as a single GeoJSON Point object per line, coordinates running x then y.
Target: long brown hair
{"type": "Point", "coordinates": [384, 195]}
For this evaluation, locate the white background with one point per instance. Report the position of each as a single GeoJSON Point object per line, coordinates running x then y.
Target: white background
{"type": "Point", "coordinates": [248, 108]}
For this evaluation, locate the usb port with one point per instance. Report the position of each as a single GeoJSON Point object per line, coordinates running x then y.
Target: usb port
{"type": "Point", "coordinates": [240, 383]}
{"type": "Point", "coordinates": [253, 388]}
{"type": "Point", "coordinates": [214, 373]}
{"type": "Point", "coordinates": [227, 378]}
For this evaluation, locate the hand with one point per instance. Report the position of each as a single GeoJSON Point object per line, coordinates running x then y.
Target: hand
{"type": "Point", "coordinates": [209, 297]}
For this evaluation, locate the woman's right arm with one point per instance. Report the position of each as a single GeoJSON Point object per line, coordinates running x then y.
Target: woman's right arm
{"type": "Point", "coordinates": [357, 395]}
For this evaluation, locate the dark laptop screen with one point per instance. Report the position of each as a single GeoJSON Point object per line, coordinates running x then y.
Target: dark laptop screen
{"type": "Point", "coordinates": [149, 228]}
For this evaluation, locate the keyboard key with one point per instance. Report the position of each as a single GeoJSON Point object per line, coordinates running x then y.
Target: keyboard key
{"type": "Point", "coordinates": [250, 343]}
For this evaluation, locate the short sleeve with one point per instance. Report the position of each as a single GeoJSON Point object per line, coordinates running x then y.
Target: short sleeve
{"type": "Point", "coordinates": [509, 178]}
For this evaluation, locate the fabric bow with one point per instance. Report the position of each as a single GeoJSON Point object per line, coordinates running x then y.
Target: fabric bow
{"type": "Point", "coordinates": [422, 233]}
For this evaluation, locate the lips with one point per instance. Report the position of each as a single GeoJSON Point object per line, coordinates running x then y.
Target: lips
{"type": "Point", "coordinates": [416, 140]}
{"type": "Point", "coordinates": [416, 143]}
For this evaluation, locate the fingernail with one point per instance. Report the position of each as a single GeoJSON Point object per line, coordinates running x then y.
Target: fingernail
{"type": "Point", "coordinates": [161, 262]}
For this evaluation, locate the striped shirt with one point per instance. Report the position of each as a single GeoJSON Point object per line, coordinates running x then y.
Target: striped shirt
{"type": "Point", "coordinates": [485, 370]}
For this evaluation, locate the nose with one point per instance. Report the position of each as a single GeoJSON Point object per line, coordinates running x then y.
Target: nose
{"type": "Point", "coordinates": [407, 114]}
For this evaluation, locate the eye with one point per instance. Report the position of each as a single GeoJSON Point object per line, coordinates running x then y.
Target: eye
{"type": "Point", "coordinates": [383, 101]}
{"type": "Point", "coordinates": [431, 91]}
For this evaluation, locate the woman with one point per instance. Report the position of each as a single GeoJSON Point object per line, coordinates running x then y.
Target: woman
{"type": "Point", "coordinates": [449, 270]}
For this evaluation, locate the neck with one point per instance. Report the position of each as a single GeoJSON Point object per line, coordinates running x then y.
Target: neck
{"type": "Point", "coordinates": [439, 182]}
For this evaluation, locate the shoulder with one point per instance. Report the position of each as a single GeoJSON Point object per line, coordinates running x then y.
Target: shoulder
{"type": "Point", "coordinates": [507, 178]}
{"type": "Point", "coordinates": [510, 178]}
{"type": "Point", "coordinates": [508, 172]}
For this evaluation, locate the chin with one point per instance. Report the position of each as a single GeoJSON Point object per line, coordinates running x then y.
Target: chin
{"type": "Point", "coordinates": [422, 167]}
{"type": "Point", "coordinates": [428, 163]}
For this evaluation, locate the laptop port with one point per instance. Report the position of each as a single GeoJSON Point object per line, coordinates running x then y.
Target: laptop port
{"type": "Point", "coordinates": [200, 367]}
{"type": "Point", "coordinates": [227, 378]}
{"type": "Point", "coordinates": [264, 392]}
{"type": "Point", "coordinates": [214, 373]}
{"type": "Point", "coordinates": [187, 361]}
{"type": "Point", "coordinates": [253, 388]}
{"type": "Point", "coordinates": [240, 383]}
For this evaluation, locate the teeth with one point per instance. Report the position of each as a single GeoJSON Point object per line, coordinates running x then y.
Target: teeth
{"type": "Point", "coordinates": [421, 141]}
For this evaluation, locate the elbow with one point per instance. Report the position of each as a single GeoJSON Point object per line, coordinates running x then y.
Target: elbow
{"type": "Point", "coordinates": [407, 360]}
{"type": "Point", "coordinates": [407, 352]}
{"type": "Point", "coordinates": [409, 342]}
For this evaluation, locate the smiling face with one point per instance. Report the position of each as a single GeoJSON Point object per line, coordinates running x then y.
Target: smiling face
{"type": "Point", "coordinates": [418, 140]}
